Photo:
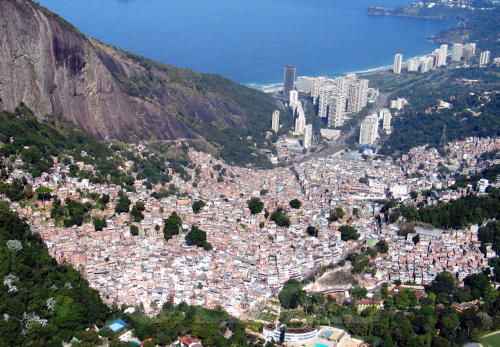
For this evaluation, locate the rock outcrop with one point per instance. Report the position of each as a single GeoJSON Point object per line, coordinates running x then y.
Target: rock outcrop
{"type": "Point", "coordinates": [52, 68]}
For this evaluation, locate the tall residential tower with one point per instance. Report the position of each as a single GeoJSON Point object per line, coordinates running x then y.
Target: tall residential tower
{"type": "Point", "coordinates": [398, 63]}
{"type": "Point", "coordinates": [288, 81]}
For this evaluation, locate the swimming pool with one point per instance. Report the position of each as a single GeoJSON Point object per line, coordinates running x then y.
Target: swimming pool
{"type": "Point", "coordinates": [318, 344]}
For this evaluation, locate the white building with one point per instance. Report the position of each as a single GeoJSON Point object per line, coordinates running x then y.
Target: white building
{"type": "Point", "coordinates": [300, 123]}
{"type": "Point", "coordinates": [385, 115]}
{"type": "Point", "coordinates": [398, 104]}
{"type": "Point", "coordinates": [484, 58]}
{"type": "Point", "coordinates": [456, 52]}
{"type": "Point", "coordinates": [414, 63]}
{"type": "Point", "coordinates": [482, 184]}
{"type": "Point", "coordinates": [305, 84]}
{"type": "Point", "coordinates": [275, 122]}
{"type": "Point", "coordinates": [291, 335]}
{"type": "Point", "coordinates": [308, 133]}
{"type": "Point", "coordinates": [443, 53]}
{"type": "Point", "coordinates": [357, 95]}
{"type": "Point", "coordinates": [398, 63]}
{"type": "Point", "coordinates": [336, 110]}
{"type": "Point", "coordinates": [368, 132]}
{"type": "Point", "coordinates": [426, 64]}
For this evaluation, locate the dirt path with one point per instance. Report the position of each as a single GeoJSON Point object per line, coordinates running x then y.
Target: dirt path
{"type": "Point", "coordinates": [490, 334]}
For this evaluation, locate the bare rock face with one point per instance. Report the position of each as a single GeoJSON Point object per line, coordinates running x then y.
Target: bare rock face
{"type": "Point", "coordinates": [54, 69]}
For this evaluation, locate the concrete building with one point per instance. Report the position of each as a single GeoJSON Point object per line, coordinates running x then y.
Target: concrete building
{"type": "Point", "coordinates": [468, 51]}
{"type": "Point", "coordinates": [324, 95]}
{"type": "Point", "coordinates": [443, 53]}
{"type": "Point", "coordinates": [357, 95]}
{"type": "Point", "coordinates": [368, 132]}
{"type": "Point", "coordinates": [398, 104]}
{"type": "Point", "coordinates": [305, 84]}
{"type": "Point", "coordinates": [294, 96]}
{"type": "Point", "coordinates": [426, 64]}
{"type": "Point", "coordinates": [484, 58]}
{"type": "Point", "coordinates": [275, 122]}
{"type": "Point", "coordinates": [308, 134]}
{"type": "Point", "coordinates": [291, 335]}
{"type": "Point", "coordinates": [398, 63]}
{"type": "Point", "coordinates": [336, 110]}
{"type": "Point", "coordinates": [482, 184]}
{"type": "Point", "coordinates": [300, 122]}
{"type": "Point", "coordinates": [386, 116]}
{"type": "Point", "coordinates": [414, 63]}
{"type": "Point", "coordinates": [316, 87]}
{"type": "Point", "coordinates": [288, 80]}
{"type": "Point", "coordinates": [456, 52]}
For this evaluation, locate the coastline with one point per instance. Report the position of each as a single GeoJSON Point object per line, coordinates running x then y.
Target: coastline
{"type": "Point", "coordinates": [276, 87]}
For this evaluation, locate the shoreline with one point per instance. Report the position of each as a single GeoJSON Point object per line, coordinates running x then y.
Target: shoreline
{"type": "Point", "coordinates": [275, 88]}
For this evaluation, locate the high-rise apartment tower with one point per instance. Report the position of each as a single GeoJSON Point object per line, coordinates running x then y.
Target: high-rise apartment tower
{"type": "Point", "coordinates": [484, 58]}
{"type": "Point", "coordinates": [456, 52]}
{"type": "Point", "coordinates": [398, 63]}
{"type": "Point", "coordinates": [275, 122]}
{"type": "Point", "coordinates": [443, 52]}
{"type": "Point", "coordinates": [288, 81]}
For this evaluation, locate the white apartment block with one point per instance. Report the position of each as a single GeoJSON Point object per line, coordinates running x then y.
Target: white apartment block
{"type": "Point", "coordinates": [398, 63]}
{"type": "Point", "coordinates": [368, 132]}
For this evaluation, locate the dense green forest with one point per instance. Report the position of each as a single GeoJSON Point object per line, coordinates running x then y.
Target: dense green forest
{"type": "Point", "coordinates": [407, 319]}
{"type": "Point", "coordinates": [210, 326]}
{"type": "Point", "coordinates": [42, 303]}
{"type": "Point", "coordinates": [237, 140]}
{"type": "Point", "coordinates": [456, 214]}
{"type": "Point", "coordinates": [474, 110]}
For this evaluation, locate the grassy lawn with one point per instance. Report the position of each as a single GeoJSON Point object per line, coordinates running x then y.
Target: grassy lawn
{"type": "Point", "coordinates": [491, 341]}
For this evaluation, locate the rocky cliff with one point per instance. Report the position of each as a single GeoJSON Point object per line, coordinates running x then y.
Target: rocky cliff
{"type": "Point", "coordinates": [55, 70]}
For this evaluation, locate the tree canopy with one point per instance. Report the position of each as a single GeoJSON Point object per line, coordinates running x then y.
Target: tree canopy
{"type": "Point", "coordinates": [198, 205]}
{"type": "Point", "coordinates": [295, 203]}
{"type": "Point", "coordinates": [56, 299]}
{"type": "Point", "coordinates": [197, 237]}
{"type": "Point", "coordinates": [348, 233]}
{"type": "Point", "coordinates": [255, 205]}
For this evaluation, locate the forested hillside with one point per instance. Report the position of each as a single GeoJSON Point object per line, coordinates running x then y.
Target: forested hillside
{"type": "Point", "coordinates": [42, 303]}
{"type": "Point", "coordinates": [116, 95]}
{"type": "Point", "coordinates": [473, 110]}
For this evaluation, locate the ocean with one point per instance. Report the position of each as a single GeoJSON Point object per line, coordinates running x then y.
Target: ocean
{"type": "Point", "coordinates": [251, 41]}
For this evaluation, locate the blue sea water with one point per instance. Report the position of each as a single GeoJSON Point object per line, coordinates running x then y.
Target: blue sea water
{"type": "Point", "coordinates": [250, 41]}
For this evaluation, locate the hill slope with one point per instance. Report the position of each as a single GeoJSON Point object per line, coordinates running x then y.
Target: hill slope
{"type": "Point", "coordinates": [53, 69]}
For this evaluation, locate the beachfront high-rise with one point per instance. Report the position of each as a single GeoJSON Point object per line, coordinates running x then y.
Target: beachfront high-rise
{"type": "Point", "coordinates": [443, 53]}
{"type": "Point", "coordinates": [427, 63]}
{"type": "Point", "coordinates": [398, 63]}
{"type": "Point", "coordinates": [288, 81]}
{"type": "Point", "coordinates": [414, 63]}
{"type": "Point", "coordinates": [484, 58]}
{"type": "Point", "coordinates": [305, 84]}
{"type": "Point", "coordinates": [456, 52]}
